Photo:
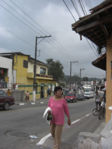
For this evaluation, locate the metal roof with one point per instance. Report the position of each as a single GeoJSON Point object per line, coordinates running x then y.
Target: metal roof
{"type": "Point", "coordinates": [98, 25]}
{"type": "Point", "coordinates": [11, 54]}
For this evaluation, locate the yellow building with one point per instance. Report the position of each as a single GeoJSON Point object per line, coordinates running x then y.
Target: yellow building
{"type": "Point", "coordinates": [23, 74]}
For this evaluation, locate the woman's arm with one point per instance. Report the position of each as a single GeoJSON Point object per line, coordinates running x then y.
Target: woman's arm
{"type": "Point", "coordinates": [66, 110]}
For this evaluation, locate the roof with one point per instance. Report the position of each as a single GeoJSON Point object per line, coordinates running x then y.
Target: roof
{"type": "Point", "coordinates": [98, 25]}
{"type": "Point", "coordinates": [100, 62]}
{"type": "Point", "coordinates": [11, 54]}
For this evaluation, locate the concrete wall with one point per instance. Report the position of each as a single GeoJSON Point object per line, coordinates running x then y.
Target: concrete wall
{"type": "Point", "coordinates": [19, 95]}
{"type": "Point", "coordinates": [109, 79]}
{"type": "Point", "coordinates": [7, 63]}
{"type": "Point", "coordinates": [31, 67]}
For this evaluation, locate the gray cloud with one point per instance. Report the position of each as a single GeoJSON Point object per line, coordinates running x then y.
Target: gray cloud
{"type": "Point", "coordinates": [18, 32]}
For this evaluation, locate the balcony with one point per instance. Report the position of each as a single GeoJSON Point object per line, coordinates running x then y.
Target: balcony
{"type": "Point", "coordinates": [39, 76]}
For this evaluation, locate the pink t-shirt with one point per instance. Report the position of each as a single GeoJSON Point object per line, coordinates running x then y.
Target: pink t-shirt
{"type": "Point", "coordinates": [59, 107]}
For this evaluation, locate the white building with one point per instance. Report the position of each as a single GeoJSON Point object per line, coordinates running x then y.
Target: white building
{"type": "Point", "coordinates": [6, 76]}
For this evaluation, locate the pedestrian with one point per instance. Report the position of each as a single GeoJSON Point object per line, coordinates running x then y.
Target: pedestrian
{"type": "Point", "coordinates": [27, 96]}
{"type": "Point", "coordinates": [97, 100]}
{"type": "Point", "coordinates": [58, 105]}
{"type": "Point", "coordinates": [9, 92]}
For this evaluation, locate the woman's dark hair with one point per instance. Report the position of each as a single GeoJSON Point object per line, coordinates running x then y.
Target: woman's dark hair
{"type": "Point", "coordinates": [57, 88]}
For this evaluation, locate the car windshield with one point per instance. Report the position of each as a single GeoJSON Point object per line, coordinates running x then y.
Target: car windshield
{"type": "Point", "coordinates": [70, 95]}
{"type": "Point", "coordinates": [2, 93]}
{"type": "Point", "coordinates": [87, 90]}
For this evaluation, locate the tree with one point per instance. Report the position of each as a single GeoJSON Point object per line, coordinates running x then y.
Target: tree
{"type": "Point", "coordinates": [85, 78]}
{"type": "Point", "coordinates": [55, 69]}
{"type": "Point", "coordinates": [74, 79]}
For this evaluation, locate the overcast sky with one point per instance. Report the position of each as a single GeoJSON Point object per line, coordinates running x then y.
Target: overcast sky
{"type": "Point", "coordinates": [22, 20]}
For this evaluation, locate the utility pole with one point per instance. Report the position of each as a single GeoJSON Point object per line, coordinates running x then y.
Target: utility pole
{"type": "Point", "coordinates": [35, 67]}
{"type": "Point", "coordinates": [71, 62]}
{"type": "Point", "coordinates": [81, 69]}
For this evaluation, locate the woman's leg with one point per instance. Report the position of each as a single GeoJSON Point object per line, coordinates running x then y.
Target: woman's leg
{"type": "Point", "coordinates": [52, 129]}
{"type": "Point", "coordinates": [58, 132]}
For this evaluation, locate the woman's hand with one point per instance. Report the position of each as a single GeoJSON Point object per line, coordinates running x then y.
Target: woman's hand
{"type": "Point", "coordinates": [69, 121]}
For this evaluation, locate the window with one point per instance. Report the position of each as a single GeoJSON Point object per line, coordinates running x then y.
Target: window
{"type": "Point", "coordinates": [42, 70]}
{"type": "Point", "coordinates": [25, 64]}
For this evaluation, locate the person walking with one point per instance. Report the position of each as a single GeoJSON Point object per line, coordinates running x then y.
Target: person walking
{"type": "Point", "coordinates": [9, 92]}
{"type": "Point", "coordinates": [58, 106]}
{"type": "Point", "coordinates": [27, 96]}
{"type": "Point", "coordinates": [97, 100]}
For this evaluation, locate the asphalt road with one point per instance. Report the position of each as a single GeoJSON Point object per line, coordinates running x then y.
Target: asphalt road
{"type": "Point", "coordinates": [18, 125]}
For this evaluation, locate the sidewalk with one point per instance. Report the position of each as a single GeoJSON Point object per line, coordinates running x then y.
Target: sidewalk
{"type": "Point", "coordinates": [86, 135]}
{"type": "Point", "coordinates": [38, 102]}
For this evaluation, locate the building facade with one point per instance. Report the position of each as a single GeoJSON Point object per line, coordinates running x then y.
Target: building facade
{"type": "Point", "coordinates": [6, 76]}
{"type": "Point", "coordinates": [98, 28]}
{"type": "Point", "coordinates": [23, 74]}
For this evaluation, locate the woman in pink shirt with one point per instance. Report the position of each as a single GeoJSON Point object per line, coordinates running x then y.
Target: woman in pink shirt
{"type": "Point", "coordinates": [59, 107]}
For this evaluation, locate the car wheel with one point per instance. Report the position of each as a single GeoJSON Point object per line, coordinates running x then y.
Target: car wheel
{"type": "Point", "coordinates": [6, 106]}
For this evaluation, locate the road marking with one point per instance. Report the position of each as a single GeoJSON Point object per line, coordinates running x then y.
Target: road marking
{"type": "Point", "coordinates": [75, 121]}
{"type": "Point", "coordinates": [87, 115]}
{"type": "Point", "coordinates": [42, 141]}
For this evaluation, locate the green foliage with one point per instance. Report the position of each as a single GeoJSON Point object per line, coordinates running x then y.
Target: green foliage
{"type": "Point", "coordinates": [55, 69]}
{"type": "Point", "coordinates": [74, 79]}
{"type": "Point", "coordinates": [85, 78]}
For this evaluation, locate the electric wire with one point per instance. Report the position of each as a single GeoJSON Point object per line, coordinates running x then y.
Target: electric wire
{"type": "Point", "coordinates": [17, 18]}
{"type": "Point", "coordinates": [86, 39]}
{"type": "Point", "coordinates": [83, 6]}
{"type": "Point", "coordinates": [80, 2]}
{"type": "Point", "coordinates": [48, 40]}
{"type": "Point", "coordinates": [41, 29]}
{"type": "Point", "coordinates": [75, 7]}
{"type": "Point", "coordinates": [69, 10]}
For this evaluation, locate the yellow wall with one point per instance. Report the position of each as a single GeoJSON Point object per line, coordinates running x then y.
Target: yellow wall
{"type": "Point", "coordinates": [30, 68]}
{"type": "Point", "coordinates": [109, 79]}
{"type": "Point", "coordinates": [26, 83]}
{"type": "Point", "coordinates": [21, 72]}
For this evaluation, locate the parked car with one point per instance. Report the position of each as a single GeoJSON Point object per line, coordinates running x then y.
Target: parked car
{"type": "Point", "coordinates": [5, 100]}
{"type": "Point", "coordinates": [70, 98]}
{"type": "Point", "coordinates": [80, 97]}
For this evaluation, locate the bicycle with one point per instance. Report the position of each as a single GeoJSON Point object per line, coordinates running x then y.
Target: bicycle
{"type": "Point", "coordinates": [95, 111]}
{"type": "Point", "coordinates": [101, 110]}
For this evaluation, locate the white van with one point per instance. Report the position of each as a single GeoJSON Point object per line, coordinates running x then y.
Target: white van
{"type": "Point", "coordinates": [88, 92]}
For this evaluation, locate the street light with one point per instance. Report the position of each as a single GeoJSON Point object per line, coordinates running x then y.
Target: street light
{"type": "Point", "coordinates": [71, 62]}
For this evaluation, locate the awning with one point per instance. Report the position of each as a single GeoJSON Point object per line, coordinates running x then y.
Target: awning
{"type": "Point", "coordinates": [100, 62]}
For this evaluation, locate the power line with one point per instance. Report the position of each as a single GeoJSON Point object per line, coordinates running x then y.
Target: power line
{"type": "Point", "coordinates": [69, 10]}
{"type": "Point", "coordinates": [17, 18]}
{"type": "Point", "coordinates": [78, 14]}
{"type": "Point", "coordinates": [13, 14]}
{"type": "Point", "coordinates": [75, 7]}
{"type": "Point", "coordinates": [80, 2]}
{"type": "Point", "coordinates": [91, 48]}
{"type": "Point", "coordinates": [19, 8]}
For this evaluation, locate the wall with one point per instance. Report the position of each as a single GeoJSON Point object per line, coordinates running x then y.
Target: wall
{"type": "Point", "coordinates": [7, 63]}
{"type": "Point", "coordinates": [21, 72]}
{"type": "Point", "coordinates": [25, 82]}
{"type": "Point", "coordinates": [109, 79]}
{"type": "Point", "coordinates": [31, 67]}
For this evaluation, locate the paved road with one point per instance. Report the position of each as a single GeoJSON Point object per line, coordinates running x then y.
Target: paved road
{"type": "Point", "coordinates": [18, 124]}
